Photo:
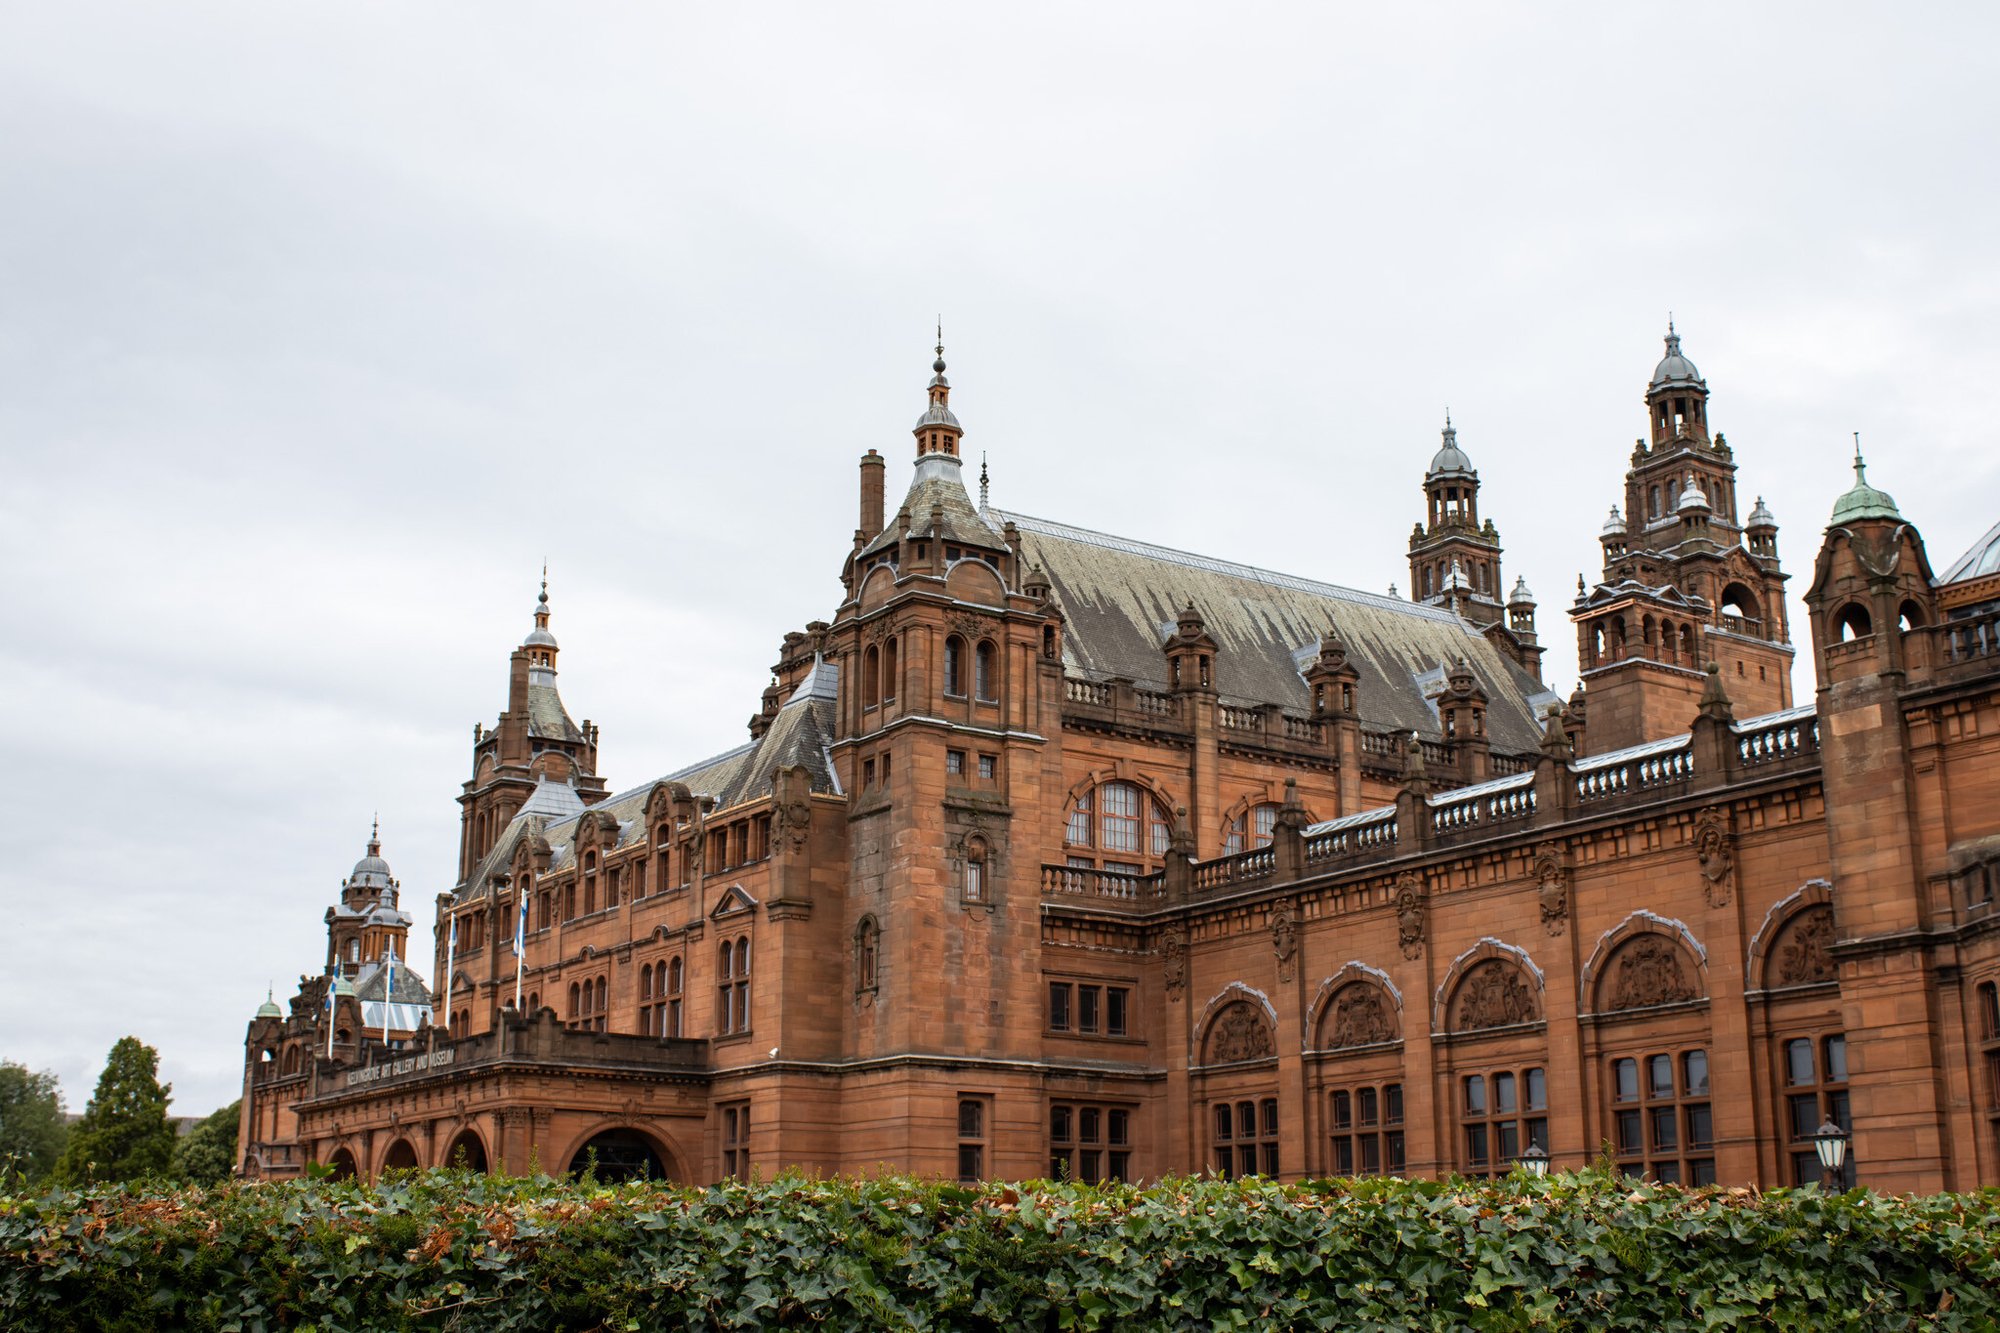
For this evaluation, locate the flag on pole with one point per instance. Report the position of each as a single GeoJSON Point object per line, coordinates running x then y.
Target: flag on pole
{"type": "Point", "coordinates": [332, 980]}
{"type": "Point", "coordinates": [388, 991]}
{"type": "Point", "coordinates": [520, 947]}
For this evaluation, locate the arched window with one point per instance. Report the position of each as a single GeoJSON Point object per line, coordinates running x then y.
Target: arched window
{"type": "Point", "coordinates": [1653, 503]}
{"type": "Point", "coordinates": [871, 677]}
{"type": "Point", "coordinates": [867, 949]}
{"type": "Point", "coordinates": [602, 1008]}
{"type": "Point", "coordinates": [1854, 622]}
{"type": "Point", "coordinates": [1126, 828]}
{"type": "Point", "coordinates": [733, 990]}
{"type": "Point", "coordinates": [954, 665]}
{"type": "Point", "coordinates": [984, 678]}
{"type": "Point", "coordinates": [1687, 644]}
{"type": "Point", "coordinates": [574, 1000]}
{"type": "Point", "coordinates": [889, 671]}
{"type": "Point", "coordinates": [1909, 617]}
{"type": "Point", "coordinates": [589, 883]}
{"type": "Point", "coordinates": [973, 889]}
{"type": "Point", "coordinates": [649, 1011]}
{"type": "Point", "coordinates": [673, 1023]}
{"type": "Point", "coordinates": [1252, 829]}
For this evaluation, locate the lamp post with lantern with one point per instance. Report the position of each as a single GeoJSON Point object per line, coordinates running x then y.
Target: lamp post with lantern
{"type": "Point", "coordinates": [1831, 1145]}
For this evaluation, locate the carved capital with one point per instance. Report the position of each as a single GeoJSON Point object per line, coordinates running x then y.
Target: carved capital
{"type": "Point", "coordinates": [1715, 849]}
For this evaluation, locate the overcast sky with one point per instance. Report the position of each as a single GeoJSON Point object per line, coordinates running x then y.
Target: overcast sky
{"type": "Point", "coordinates": [322, 326]}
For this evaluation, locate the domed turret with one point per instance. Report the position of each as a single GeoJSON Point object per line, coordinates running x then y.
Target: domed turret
{"type": "Point", "coordinates": [1863, 500]}
{"type": "Point", "coordinates": [371, 872]}
{"type": "Point", "coordinates": [1615, 525]}
{"type": "Point", "coordinates": [1761, 517]}
{"type": "Point", "coordinates": [1522, 595]}
{"type": "Point", "coordinates": [1449, 460]}
{"type": "Point", "coordinates": [1675, 370]}
{"type": "Point", "coordinates": [1693, 497]}
{"type": "Point", "coordinates": [269, 1009]}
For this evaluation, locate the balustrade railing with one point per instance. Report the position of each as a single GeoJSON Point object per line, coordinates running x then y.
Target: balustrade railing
{"type": "Point", "coordinates": [1086, 692]}
{"type": "Point", "coordinates": [1090, 882]}
{"type": "Point", "coordinates": [1240, 868]}
{"type": "Point", "coordinates": [1304, 729]}
{"type": "Point", "coordinates": [1240, 719]}
{"type": "Point", "coordinates": [1744, 625]}
{"type": "Point", "coordinates": [1381, 742]}
{"type": "Point", "coordinates": [1155, 704]}
{"type": "Point", "coordinates": [1642, 768]}
{"type": "Point", "coordinates": [1970, 639]}
{"type": "Point", "coordinates": [1505, 801]}
{"type": "Point", "coordinates": [1352, 835]}
{"type": "Point", "coordinates": [1772, 740]}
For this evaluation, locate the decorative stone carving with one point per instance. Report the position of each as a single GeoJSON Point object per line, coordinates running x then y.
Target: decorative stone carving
{"type": "Point", "coordinates": [1173, 949]}
{"type": "Point", "coordinates": [794, 821]}
{"type": "Point", "coordinates": [1360, 1017]}
{"type": "Point", "coordinates": [968, 625]}
{"type": "Point", "coordinates": [1239, 1033]}
{"type": "Point", "coordinates": [1715, 848]}
{"type": "Point", "coordinates": [1411, 907]}
{"type": "Point", "coordinates": [1804, 961]}
{"type": "Point", "coordinates": [1494, 994]}
{"type": "Point", "coordinates": [1650, 973]}
{"type": "Point", "coordinates": [1552, 888]}
{"type": "Point", "coordinates": [1284, 939]}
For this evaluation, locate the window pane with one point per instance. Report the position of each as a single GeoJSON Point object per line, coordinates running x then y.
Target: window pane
{"type": "Point", "coordinates": [1665, 1135]}
{"type": "Point", "coordinates": [1078, 831]}
{"type": "Point", "coordinates": [1120, 1167]}
{"type": "Point", "coordinates": [1836, 1059]}
{"type": "Point", "coordinates": [1700, 1126]}
{"type": "Point", "coordinates": [1625, 1080]}
{"type": "Point", "coordinates": [1475, 1145]}
{"type": "Point", "coordinates": [1395, 1152]}
{"type": "Point", "coordinates": [1343, 1156]}
{"type": "Point", "coordinates": [1371, 1154]}
{"type": "Point", "coordinates": [1508, 1145]}
{"type": "Point", "coordinates": [1114, 1011]}
{"type": "Point", "coordinates": [1836, 1110]}
{"type": "Point", "coordinates": [1270, 1115]}
{"type": "Point", "coordinates": [1060, 1127]}
{"type": "Point", "coordinates": [1059, 1006]}
{"type": "Point", "coordinates": [1247, 1160]}
{"type": "Point", "coordinates": [1475, 1095]}
{"type": "Point", "coordinates": [1121, 1127]}
{"type": "Point", "coordinates": [1628, 1133]}
{"type": "Point", "coordinates": [1538, 1090]}
{"type": "Point", "coordinates": [1246, 1120]}
{"type": "Point", "coordinates": [1343, 1110]}
{"type": "Point", "coordinates": [1087, 1125]}
{"type": "Point", "coordinates": [1701, 1171]}
{"type": "Point", "coordinates": [971, 1120]}
{"type": "Point", "coordinates": [1503, 1094]}
{"type": "Point", "coordinates": [1660, 1072]}
{"type": "Point", "coordinates": [1694, 1073]}
{"type": "Point", "coordinates": [1369, 1113]}
{"type": "Point", "coordinates": [1086, 1008]}
{"type": "Point", "coordinates": [1392, 1104]}
{"type": "Point", "coordinates": [1804, 1115]}
{"type": "Point", "coordinates": [1538, 1132]}
{"type": "Point", "coordinates": [1222, 1121]}
{"type": "Point", "coordinates": [1086, 1165]}
{"type": "Point", "coordinates": [971, 1161]}
{"type": "Point", "coordinates": [1799, 1063]}
{"type": "Point", "coordinates": [1667, 1173]}
{"type": "Point", "coordinates": [1270, 1159]}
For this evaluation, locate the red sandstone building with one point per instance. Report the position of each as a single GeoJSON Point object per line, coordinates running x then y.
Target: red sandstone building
{"type": "Point", "coordinates": [1052, 852]}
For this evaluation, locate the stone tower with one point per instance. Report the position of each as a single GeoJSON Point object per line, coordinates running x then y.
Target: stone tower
{"type": "Point", "coordinates": [534, 743]}
{"type": "Point", "coordinates": [1454, 557]}
{"type": "Point", "coordinates": [1684, 582]}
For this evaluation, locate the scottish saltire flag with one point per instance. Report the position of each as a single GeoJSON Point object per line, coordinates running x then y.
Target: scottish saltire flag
{"type": "Point", "coordinates": [389, 992]}
{"type": "Point", "coordinates": [521, 927]}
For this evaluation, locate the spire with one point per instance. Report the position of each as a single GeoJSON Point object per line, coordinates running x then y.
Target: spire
{"type": "Point", "coordinates": [1673, 338]}
{"type": "Point", "coordinates": [937, 430]}
{"type": "Point", "coordinates": [982, 479]}
{"type": "Point", "coordinates": [540, 643]}
{"type": "Point", "coordinates": [1863, 500]}
{"type": "Point", "coordinates": [375, 834]}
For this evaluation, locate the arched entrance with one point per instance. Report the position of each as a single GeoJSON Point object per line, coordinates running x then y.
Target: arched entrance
{"type": "Point", "coordinates": [466, 1153]}
{"type": "Point", "coordinates": [400, 1157]}
{"type": "Point", "coordinates": [617, 1155]}
{"type": "Point", "coordinates": [342, 1163]}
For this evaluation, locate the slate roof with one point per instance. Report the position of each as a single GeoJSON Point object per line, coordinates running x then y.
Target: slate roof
{"type": "Point", "coordinates": [798, 735]}
{"type": "Point", "coordinates": [547, 718]}
{"type": "Point", "coordinates": [1121, 599]}
{"type": "Point", "coordinates": [938, 482]}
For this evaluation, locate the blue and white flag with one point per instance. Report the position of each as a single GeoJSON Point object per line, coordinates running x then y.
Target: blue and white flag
{"type": "Point", "coordinates": [521, 926]}
{"type": "Point", "coordinates": [388, 991]}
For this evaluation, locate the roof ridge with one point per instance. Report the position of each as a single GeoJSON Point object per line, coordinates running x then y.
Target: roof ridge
{"type": "Point", "coordinates": [1235, 569]}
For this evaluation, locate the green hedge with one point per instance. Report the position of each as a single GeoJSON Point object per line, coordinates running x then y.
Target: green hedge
{"type": "Point", "coordinates": [449, 1250]}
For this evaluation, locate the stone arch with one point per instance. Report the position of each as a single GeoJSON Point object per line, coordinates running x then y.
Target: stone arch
{"type": "Point", "coordinates": [973, 580]}
{"type": "Point", "coordinates": [474, 1148]}
{"type": "Point", "coordinates": [1490, 959]}
{"type": "Point", "coordinates": [400, 1155]}
{"type": "Point", "coordinates": [1604, 975]}
{"type": "Point", "coordinates": [620, 1146]}
{"type": "Point", "coordinates": [1119, 771]}
{"type": "Point", "coordinates": [1352, 1003]}
{"type": "Point", "coordinates": [876, 587]}
{"type": "Point", "coordinates": [1238, 1024]}
{"type": "Point", "coordinates": [1813, 893]}
{"type": "Point", "coordinates": [341, 1162]}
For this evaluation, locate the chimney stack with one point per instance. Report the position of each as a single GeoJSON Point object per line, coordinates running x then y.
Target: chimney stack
{"type": "Point", "coordinates": [871, 495]}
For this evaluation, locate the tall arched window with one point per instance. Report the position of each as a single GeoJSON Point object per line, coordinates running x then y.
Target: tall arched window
{"type": "Point", "coordinates": [674, 972]}
{"type": "Point", "coordinates": [867, 948]}
{"type": "Point", "coordinates": [733, 990]}
{"type": "Point", "coordinates": [871, 677]}
{"type": "Point", "coordinates": [1853, 622]}
{"type": "Point", "coordinates": [1254, 828]}
{"type": "Point", "coordinates": [973, 887]}
{"type": "Point", "coordinates": [954, 665]}
{"type": "Point", "coordinates": [889, 671]}
{"type": "Point", "coordinates": [1118, 826]}
{"type": "Point", "coordinates": [649, 1014]}
{"type": "Point", "coordinates": [985, 678]}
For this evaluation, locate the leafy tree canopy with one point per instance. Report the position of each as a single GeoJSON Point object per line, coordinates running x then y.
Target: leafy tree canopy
{"type": "Point", "coordinates": [206, 1155]}
{"type": "Point", "coordinates": [33, 1125]}
{"type": "Point", "coordinates": [124, 1133]}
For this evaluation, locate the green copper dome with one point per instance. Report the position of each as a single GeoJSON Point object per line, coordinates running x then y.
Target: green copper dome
{"type": "Point", "coordinates": [1864, 501]}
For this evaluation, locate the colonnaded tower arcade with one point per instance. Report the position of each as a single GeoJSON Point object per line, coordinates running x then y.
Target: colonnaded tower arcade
{"type": "Point", "coordinates": [1051, 852]}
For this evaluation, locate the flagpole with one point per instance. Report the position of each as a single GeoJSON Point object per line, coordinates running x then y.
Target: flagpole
{"type": "Point", "coordinates": [332, 981]}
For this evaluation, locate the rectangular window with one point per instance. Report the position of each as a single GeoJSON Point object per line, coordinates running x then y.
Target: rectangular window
{"type": "Point", "coordinates": [989, 768]}
{"type": "Point", "coordinates": [1662, 1126]}
{"type": "Point", "coordinates": [1253, 1148]}
{"type": "Point", "coordinates": [972, 1117]}
{"type": "Point", "coordinates": [1119, 820]}
{"type": "Point", "coordinates": [1816, 1072]}
{"type": "Point", "coordinates": [954, 762]}
{"type": "Point", "coordinates": [1114, 1010]}
{"type": "Point", "coordinates": [736, 1140]}
{"type": "Point", "coordinates": [1087, 999]}
{"type": "Point", "coordinates": [1059, 1006]}
{"type": "Point", "coordinates": [1089, 1142]}
{"type": "Point", "coordinates": [1503, 1113]}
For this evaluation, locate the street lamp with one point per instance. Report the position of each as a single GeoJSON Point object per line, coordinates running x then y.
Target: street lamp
{"type": "Point", "coordinates": [1535, 1160]}
{"type": "Point", "coordinates": [1831, 1145]}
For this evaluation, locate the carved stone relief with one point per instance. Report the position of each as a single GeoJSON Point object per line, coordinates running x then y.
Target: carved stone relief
{"type": "Point", "coordinates": [1359, 1017]}
{"type": "Point", "coordinates": [1715, 849]}
{"type": "Point", "coordinates": [794, 821]}
{"type": "Point", "coordinates": [1284, 939]}
{"type": "Point", "coordinates": [1411, 905]}
{"type": "Point", "coordinates": [1173, 950]}
{"type": "Point", "coordinates": [1649, 973]}
{"type": "Point", "coordinates": [1238, 1033]}
{"type": "Point", "coordinates": [1803, 959]}
{"type": "Point", "coordinates": [1552, 888]}
{"type": "Point", "coordinates": [1494, 994]}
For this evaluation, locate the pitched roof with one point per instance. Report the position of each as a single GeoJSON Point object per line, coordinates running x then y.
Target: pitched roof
{"type": "Point", "coordinates": [1121, 599]}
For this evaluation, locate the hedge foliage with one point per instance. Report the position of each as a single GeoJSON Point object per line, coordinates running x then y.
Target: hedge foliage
{"type": "Point", "coordinates": [452, 1250]}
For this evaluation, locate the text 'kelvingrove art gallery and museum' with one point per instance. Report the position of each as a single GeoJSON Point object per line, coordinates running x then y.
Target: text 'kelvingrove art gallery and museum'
{"type": "Point", "coordinates": [1053, 853]}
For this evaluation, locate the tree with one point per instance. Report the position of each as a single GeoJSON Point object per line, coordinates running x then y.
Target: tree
{"type": "Point", "coordinates": [206, 1155]}
{"type": "Point", "coordinates": [124, 1133]}
{"type": "Point", "coordinates": [33, 1127]}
